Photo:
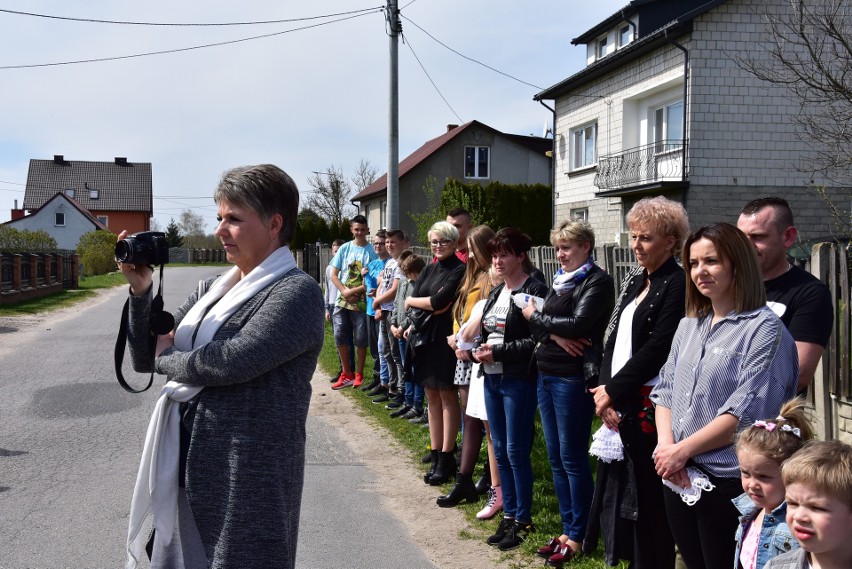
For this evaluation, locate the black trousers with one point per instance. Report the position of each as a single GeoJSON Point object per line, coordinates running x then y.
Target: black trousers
{"type": "Point", "coordinates": [705, 532]}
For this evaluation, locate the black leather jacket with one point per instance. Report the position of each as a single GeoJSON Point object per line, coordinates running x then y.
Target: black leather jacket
{"type": "Point", "coordinates": [590, 309]}
{"type": "Point", "coordinates": [516, 351]}
{"type": "Point", "coordinates": [654, 325]}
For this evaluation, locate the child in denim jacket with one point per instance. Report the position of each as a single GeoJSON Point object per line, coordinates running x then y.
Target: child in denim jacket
{"type": "Point", "coordinates": [761, 449]}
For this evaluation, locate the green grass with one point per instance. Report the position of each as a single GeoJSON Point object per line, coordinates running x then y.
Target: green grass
{"type": "Point", "coordinates": [416, 440]}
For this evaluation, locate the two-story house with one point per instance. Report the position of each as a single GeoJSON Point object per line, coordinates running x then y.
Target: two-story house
{"type": "Point", "coordinates": [118, 194]}
{"type": "Point", "coordinates": [471, 152]}
{"type": "Point", "coordinates": [664, 107]}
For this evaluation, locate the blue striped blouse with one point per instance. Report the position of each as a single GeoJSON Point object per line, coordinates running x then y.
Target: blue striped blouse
{"type": "Point", "coordinates": [746, 365]}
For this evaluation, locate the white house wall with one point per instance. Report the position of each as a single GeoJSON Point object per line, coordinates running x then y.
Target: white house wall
{"type": "Point", "coordinates": [742, 142]}
{"type": "Point", "coordinates": [67, 237]}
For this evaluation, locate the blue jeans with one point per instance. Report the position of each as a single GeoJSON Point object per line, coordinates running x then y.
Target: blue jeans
{"type": "Point", "coordinates": [414, 393]}
{"type": "Point", "coordinates": [384, 374]}
{"type": "Point", "coordinates": [566, 409]}
{"type": "Point", "coordinates": [510, 403]}
{"type": "Point", "coordinates": [330, 309]}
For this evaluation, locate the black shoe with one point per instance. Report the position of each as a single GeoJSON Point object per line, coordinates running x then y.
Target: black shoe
{"type": "Point", "coordinates": [382, 398]}
{"type": "Point", "coordinates": [463, 490]}
{"type": "Point", "coordinates": [483, 485]}
{"type": "Point", "coordinates": [426, 458]}
{"type": "Point", "coordinates": [516, 535]}
{"type": "Point", "coordinates": [424, 420]}
{"type": "Point", "coordinates": [372, 385]}
{"type": "Point", "coordinates": [412, 414]}
{"type": "Point", "coordinates": [502, 530]}
{"type": "Point", "coordinates": [378, 390]}
{"type": "Point", "coordinates": [397, 402]}
{"type": "Point", "coordinates": [446, 469]}
{"type": "Point", "coordinates": [401, 412]}
{"type": "Point", "coordinates": [420, 418]}
{"type": "Point", "coordinates": [433, 458]}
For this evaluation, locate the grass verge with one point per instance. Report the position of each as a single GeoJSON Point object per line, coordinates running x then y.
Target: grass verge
{"type": "Point", "coordinates": [416, 439]}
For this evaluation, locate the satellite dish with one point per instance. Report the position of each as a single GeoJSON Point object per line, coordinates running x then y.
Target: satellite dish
{"type": "Point", "coordinates": [546, 130]}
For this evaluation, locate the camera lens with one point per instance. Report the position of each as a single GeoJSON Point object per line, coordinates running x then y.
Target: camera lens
{"type": "Point", "coordinates": [124, 251]}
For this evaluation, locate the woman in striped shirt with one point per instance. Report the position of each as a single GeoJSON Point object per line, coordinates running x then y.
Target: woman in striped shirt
{"type": "Point", "coordinates": [732, 361]}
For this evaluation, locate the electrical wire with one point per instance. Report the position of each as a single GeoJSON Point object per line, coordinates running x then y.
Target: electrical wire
{"type": "Point", "coordinates": [185, 24]}
{"type": "Point", "coordinates": [183, 49]}
{"type": "Point", "coordinates": [408, 43]}
{"type": "Point", "coordinates": [470, 58]}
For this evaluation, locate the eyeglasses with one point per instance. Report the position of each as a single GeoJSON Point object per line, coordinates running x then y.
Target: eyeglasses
{"type": "Point", "coordinates": [379, 243]}
{"type": "Point", "coordinates": [441, 243]}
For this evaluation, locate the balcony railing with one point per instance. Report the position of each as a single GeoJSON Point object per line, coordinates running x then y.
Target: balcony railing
{"type": "Point", "coordinates": [663, 161]}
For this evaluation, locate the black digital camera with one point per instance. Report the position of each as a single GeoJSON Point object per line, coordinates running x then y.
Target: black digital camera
{"type": "Point", "coordinates": [145, 248]}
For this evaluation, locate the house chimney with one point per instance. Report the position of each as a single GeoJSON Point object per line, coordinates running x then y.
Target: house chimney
{"type": "Point", "coordinates": [17, 213]}
{"type": "Point", "coordinates": [451, 127]}
{"type": "Point", "coordinates": [58, 159]}
{"type": "Point", "coordinates": [121, 161]}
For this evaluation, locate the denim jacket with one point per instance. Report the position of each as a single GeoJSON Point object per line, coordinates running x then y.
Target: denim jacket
{"type": "Point", "coordinates": [775, 536]}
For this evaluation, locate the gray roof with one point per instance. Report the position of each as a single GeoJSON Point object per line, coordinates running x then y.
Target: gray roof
{"type": "Point", "coordinates": [120, 185]}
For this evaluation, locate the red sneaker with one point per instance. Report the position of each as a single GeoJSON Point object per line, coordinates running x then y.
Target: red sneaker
{"type": "Point", "coordinates": [343, 381]}
{"type": "Point", "coordinates": [359, 380]}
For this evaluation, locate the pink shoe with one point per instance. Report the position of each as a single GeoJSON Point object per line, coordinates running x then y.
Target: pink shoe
{"type": "Point", "coordinates": [493, 505]}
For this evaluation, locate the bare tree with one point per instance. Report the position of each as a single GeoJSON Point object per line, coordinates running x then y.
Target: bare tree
{"type": "Point", "coordinates": [810, 55]}
{"type": "Point", "coordinates": [365, 174]}
{"type": "Point", "coordinates": [192, 226]}
{"type": "Point", "coordinates": [330, 195]}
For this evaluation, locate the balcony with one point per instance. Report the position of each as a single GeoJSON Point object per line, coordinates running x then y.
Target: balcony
{"type": "Point", "coordinates": [656, 165]}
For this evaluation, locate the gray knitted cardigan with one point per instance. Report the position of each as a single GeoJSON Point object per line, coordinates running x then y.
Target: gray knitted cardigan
{"type": "Point", "coordinates": [245, 467]}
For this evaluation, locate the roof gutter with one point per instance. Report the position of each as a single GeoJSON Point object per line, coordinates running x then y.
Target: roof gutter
{"type": "Point", "coordinates": [552, 166]}
{"type": "Point", "coordinates": [685, 94]}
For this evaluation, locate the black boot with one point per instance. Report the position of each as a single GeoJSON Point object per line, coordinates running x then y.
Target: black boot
{"type": "Point", "coordinates": [434, 456]}
{"type": "Point", "coordinates": [446, 469]}
{"type": "Point", "coordinates": [463, 490]}
{"type": "Point", "coordinates": [484, 482]}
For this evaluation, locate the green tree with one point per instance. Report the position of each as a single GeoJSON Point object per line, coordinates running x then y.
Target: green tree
{"type": "Point", "coordinates": [96, 250]}
{"type": "Point", "coordinates": [25, 241]}
{"type": "Point", "coordinates": [173, 236]}
{"type": "Point", "coordinates": [323, 233]}
{"type": "Point", "coordinates": [192, 226]}
{"type": "Point", "coordinates": [431, 213]}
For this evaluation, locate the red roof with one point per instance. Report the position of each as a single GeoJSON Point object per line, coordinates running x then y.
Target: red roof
{"type": "Point", "coordinates": [412, 160]}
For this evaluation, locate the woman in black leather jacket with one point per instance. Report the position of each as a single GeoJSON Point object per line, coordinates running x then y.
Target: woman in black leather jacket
{"type": "Point", "coordinates": [578, 308]}
{"type": "Point", "coordinates": [506, 355]}
{"type": "Point", "coordinates": [649, 308]}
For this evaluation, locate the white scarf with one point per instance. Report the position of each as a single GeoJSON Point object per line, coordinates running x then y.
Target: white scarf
{"type": "Point", "coordinates": [157, 481]}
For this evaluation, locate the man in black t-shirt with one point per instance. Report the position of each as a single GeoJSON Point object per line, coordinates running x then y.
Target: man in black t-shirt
{"type": "Point", "coordinates": [801, 300]}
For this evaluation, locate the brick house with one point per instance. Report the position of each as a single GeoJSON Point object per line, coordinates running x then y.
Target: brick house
{"type": "Point", "coordinates": [663, 108]}
{"type": "Point", "coordinates": [118, 194]}
{"type": "Point", "coordinates": [469, 152]}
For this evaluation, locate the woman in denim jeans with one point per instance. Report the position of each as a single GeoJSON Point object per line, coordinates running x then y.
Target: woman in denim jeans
{"type": "Point", "coordinates": [506, 355]}
{"type": "Point", "coordinates": [578, 308]}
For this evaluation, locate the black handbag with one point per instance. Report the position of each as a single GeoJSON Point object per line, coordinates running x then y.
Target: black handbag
{"type": "Point", "coordinates": [592, 358]}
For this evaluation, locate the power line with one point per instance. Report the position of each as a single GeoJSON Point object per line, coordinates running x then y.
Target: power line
{"type": "Point", "coordinates": [408, 43]}
{"type": "Point", "coordinates": [185, 24]}
{"type": "Point", "coordinates": [470, 58]}
{"type": "Point", "coordinates": [178, 50]}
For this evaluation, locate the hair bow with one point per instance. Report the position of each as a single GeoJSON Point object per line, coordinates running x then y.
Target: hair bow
{"type": "Point", "coordinates": [794, 430]}
{"type": "Point", "coordinates": [768, 425]}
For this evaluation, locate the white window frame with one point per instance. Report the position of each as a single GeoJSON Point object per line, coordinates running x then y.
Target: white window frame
{"type": "Point", "coordinates": [367, 213]}
{"type": "Point", "coordinates": [69, 192]}
{"type": "Point", "coordinates": [661, 126]}
{"type": "Point", "coordinates": [621, 39]}
{"type": "Point", "coordinates": [477, 174]}
{"type": "Point", "coordinates": [579, 213]}
{"type": "Point", "coordinates": [383, 214]}
{"type": "Point", "coordinates": [601, 47]}
{"type": "Point", "coordinates": [579, 141]}
{"type": "Point", "coordinates": [94, 194]}
{"type": "Point", "coordinates": [59, 219]}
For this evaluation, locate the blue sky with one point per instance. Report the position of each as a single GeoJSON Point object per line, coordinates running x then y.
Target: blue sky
{"type": "Point", "coordinates": [303, 100]}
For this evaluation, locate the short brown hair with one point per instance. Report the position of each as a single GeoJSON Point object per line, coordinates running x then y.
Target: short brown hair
{"type": "Point", "coordinates": [823, 465]}
{"type": "Point", "coordinates": [412, 264]}
{"type": "Point", "coordinates": [576, 230]}
{"type": "Point", "coordinates": [734, 247]}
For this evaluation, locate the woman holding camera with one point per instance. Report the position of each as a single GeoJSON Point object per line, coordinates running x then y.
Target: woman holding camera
{"type": "Point", "coordinates": [223, 465]}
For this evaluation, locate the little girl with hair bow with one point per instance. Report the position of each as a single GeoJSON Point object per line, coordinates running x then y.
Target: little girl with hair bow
{"type": "Point", "coordinates": [761, 449]}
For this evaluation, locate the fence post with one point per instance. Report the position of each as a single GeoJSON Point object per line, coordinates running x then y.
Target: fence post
{"type": "Point", "coordinates": [824, 268]}
{"type": "Point", "coordinates": [75, 270]}
{"type": "Point", "coordinates": [16, 271]}
{"type": "Point", "coordinates": [34, 270]}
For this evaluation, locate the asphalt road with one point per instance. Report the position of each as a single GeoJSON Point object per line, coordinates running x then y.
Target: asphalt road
{"type": "Point", "coordinates": [70, 440]}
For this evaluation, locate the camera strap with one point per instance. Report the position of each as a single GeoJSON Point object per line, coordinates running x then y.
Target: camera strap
{"type": "Point", "coordinates": [160, 322]}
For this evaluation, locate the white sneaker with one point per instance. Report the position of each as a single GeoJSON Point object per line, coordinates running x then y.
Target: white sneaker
{"type": "Point", "coordinates": [493, 505]}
